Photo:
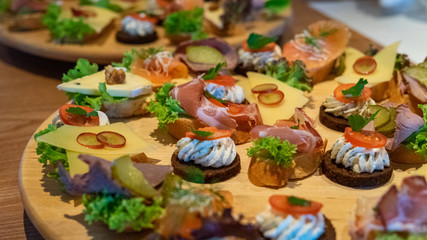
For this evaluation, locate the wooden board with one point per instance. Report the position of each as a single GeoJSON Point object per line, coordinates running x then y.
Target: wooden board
{"type": "Point", "coordinates": [106, 49]}
{"type": "Point", "coordinates": [58, 215]}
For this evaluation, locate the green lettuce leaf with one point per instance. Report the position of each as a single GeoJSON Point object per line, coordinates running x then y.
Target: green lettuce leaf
{"type": "Point", "coordinates": [417, 141]}
{"type": "Point", "coordinates": [74, 29]}
{"type": "Point", "coordinates": [120, 212]}
{"type": "Point", "coordinates": [4, 6]}
{"type": "Point", "coordinates": [295, 75]}
{"type": "Point", "coordinates": [127, 59]}
{"type": "Point", "coordinates": [258, 41]}
{"type": "Point", "coordinates": [166, 109]}
{"type": "Point", "coordinates": [82, 68]}
{"type": "Point", "coordinates": [184, 21]}
{"type": "Point", "coordinates": [276, 6]}
{"type": "Point", "coordinates": [102, 4]}
{"type": "Point", "coordinates": [50, 155]}
{"type": "Point", "coordinates": [274, 149]}
{"type": "Point", "coordinates": [105, 96]}
{"type": "Point", "coordinates": [400, 236]}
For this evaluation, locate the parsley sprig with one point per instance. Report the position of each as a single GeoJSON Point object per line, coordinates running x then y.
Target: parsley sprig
{"type": "Point", "coordinates": [202, 133]}
{"type": "Point", "coordinates": [209, 95]}
{"type": "Point", "coordinates": [299, 201]}
{"type": "Point", "coordinates": [213, 72]}
{"type": "Point", "coordinates": [357, 89]}
{"type": "Point", "coordinates": [357, 122]}
{"type": "Point", "coordinates": [258, 41]}
{"type": "Point", "coordinates": [80, 111]}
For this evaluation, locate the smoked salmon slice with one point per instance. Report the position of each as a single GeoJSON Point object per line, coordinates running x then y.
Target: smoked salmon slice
{"type": "Point", "coordinates": [318, 47]}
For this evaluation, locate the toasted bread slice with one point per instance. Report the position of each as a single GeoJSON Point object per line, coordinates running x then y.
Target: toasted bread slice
{"type": "Point", "coordinates": [266, 173]}
{"type": "Point", "coordinates": [404, 155]}
{"type": "Point", "coordinates": [307, 163]}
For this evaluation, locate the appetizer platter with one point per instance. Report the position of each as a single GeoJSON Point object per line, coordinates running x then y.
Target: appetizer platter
{"type": "Point", "coordinates": [68, 30]}
{"type": "Point", "coordinates": [178, 146]}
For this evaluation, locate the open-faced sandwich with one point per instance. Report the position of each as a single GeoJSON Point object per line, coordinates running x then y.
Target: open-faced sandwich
{"type": "Point", "coordinates": [116, 91]}
{"type": "Point", "coordinates": [416, 80]}
{"type": "Point", "coordinates": [359, 158]}
{"type": "Point", "coordinates": [206, 155]}
{"type": "Point", "coordinates": [182, 25]}
{"type": "Point", "coordinates": [162, 8]}
{"type": "Point", "coordinates": [137, 29]}
{"type": "Point", "coordinates": [300, 146]}
{"type": "Point", "coordinates": [399, 214]}
{"type": "Point", "coordinates": [348, 99]}
{"type": "Point", "coordinates": [26, 14]}
{"type": "Point", "coordinates": [290, 217]}
{"type": "Point", "coordinates": [318, 47]}
{"type": "Point", "coordinates": [408, 144]}
{"type": "Point", "coordinates": [189, 106]}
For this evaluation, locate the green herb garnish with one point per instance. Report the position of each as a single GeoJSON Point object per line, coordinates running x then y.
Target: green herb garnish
{"type": "Point", "coordinates": [209, 95]}
{"type": "Point", "coordinates": [276, 6]}
{"type": "Point", "coordinates": [296, 126]}
{"type": "Point", "coordinates": [273, 149]}
{"type": "Point", "coordinates": [202, 133]}
{"type": "Point", "coordinates": [80, 111]}
{"type": "Point", "coordinates": [102, 4]}
{"type": "Point", "coordinates": [184, 22]}
{"type": "Point", "coordinates": [417, 141]}
{"type": "Point", "coordinates": [127, 60]}
{"type": "Point", "coordinates": [357, 122]}
{"type": "Point", "coordinates": [295, 74]}
{"type": "Point", "coordinates": [299, 201]}
{"type": "Point", "coordinates": [258, 41]}
{"type": "Point", "coordinates": [213, 72]}
{"type": "Point", "coordinates": [402, 61]}
{"type": "Point", "coordinates": [357, 89]}
{"type": "Point", "coordinates": [312, 41]}
{"type": "Point", "coordinates": [82, 68]}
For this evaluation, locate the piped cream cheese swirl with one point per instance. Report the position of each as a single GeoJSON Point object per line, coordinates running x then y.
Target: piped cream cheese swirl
{"type": "Point", "coordinates": [137, 27]}
{"type": "Point", "coordinates": [359, 159]}
{"type": "Point", "coordinates": [304, 227]}
{"type": "Point", "coordinates": [337, 108]}
{"type": "Point", "coordinates": [233, 94]}
{"type": "Point", "coordinates": [258, 59]}
{"type": "Point", "coordinates": [208, 153]}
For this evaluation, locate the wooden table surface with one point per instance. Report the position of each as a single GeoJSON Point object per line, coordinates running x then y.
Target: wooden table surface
{"type": "Point", "coordinates": [28, 95]}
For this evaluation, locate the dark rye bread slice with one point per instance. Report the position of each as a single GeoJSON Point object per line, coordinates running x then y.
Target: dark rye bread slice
{"type": "Point", "coordinates": [329, 233]}
{"type": "Point", "coordinates": [332, 122]}
{"type": "Point", "coordinates": [349, 178]}
{"type": "Point", "coordinates": [189, 171]}
{"type": "Point", "coordinates": [124, 37]}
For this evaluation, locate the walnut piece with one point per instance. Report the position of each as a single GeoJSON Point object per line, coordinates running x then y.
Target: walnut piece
{"type": "Point", "coordinates": [114, 76]}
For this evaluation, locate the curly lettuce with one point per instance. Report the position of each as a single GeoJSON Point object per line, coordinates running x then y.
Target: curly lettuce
{"type": "Point", "coordinates": [417, 141]}
{"type": "Point", "coordinates": [274, 149]}
{"type": "Point", "coordinates": [127, 60]}
{"type": "Point", "coordinates": [295, 74]}
{"type": "Point", "coordinates": [50, 155]}
{"type": "Point", "coordinates": [73, 30]}
{"type": "Point", "coordinates": [82, 68]}
{"type": "Point", "coordinates": [120, 212]}
{"type": "Point", "coordinates": [102, 4]}
{"type": "Point", "coordinates": [166, 109]}
{"type": "Point", "coordinates": [276, 6]}
{"type": "Point", "coordinates": [185, 21]}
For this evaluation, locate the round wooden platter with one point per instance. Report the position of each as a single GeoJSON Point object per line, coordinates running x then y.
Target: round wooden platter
{"type": "Point", "coordinates": [57, 215]}
{"type": "Point", "coordinates": [105, 49]}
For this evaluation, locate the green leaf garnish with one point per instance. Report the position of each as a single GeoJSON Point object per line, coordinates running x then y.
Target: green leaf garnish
{"type": "Point", "coordinates": [296, 126]}
{"type": "Point", "coordinates": [258, 41]}
{"type": "Point", "coordinates": [312, 41]}
{"type": "Point", "coordinates": [276, 6]}
{"type": "Point", "coordinates": [80, 111]}
{"type": "Point", "coordinates": [127, 60]}
{"type": "Point", "coordinates": [213, 72]}
{"type": "Point", "coordinates": [209, 95]}
{"type": "Point", "coordinates": [295, 74]}
{"type": "Point", "coordinates": [184, 21]}
{"type": "Point", "coordinates": [199, 35]}
{"type": "Point", "coordinates": [273, 149]}
{"type": "Point", "coordinates": [357, 89]}
{"type": "Point", "coordinates": [202, 133]}
{"type": "Point", "coordinates": [299, 201]}
{"type": "Point", "coordinates": [357, 122]}
{"type": "Point", "coordinates": [417, 141]}
{"type": "Point", "coordinates": [82, 68]}
{"type": "Point", "coordinates": [102, 4]}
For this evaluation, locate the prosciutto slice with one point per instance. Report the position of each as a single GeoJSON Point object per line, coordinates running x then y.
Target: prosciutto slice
{"type": "Point", "coordinates": [189, 95]}
{"type": "Point", "coordinates": [417, 89]}
{"type": "Point", "coordinates": [229, 53]}
{"type": "Point", "coordinates": [407, 123]}
{"type": "Point", "coordinates": [215, 116]}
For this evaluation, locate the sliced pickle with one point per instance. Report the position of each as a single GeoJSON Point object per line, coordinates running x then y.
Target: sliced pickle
{"type": "Point", "coordinates": [131, 178]}
{"type": "Point", "coordinates": [204, 54]}
{"type": "Point", "coordinates": [390, 127]}
{"type": "Point", "coordinates": [419, 73]}
{"type": "Point", "coordinates": [383, 116]}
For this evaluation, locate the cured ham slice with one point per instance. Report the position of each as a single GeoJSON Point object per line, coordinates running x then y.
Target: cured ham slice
{"type": "Point", "coordinates": [215, 116]}
{"type": "Point", "coordinates": [407, 123]}
{"type": "Point", "coordinates": [189, 95]}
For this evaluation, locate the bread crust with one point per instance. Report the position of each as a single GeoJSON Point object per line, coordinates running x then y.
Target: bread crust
{"type": "Point", "coordinates": [210, 174]}
{"type": "Point", "coordinates": [124, 37]}
{"type": "Point", "coordinates": [182, 125]}
{"type": "Point", "coordinates": [349, 178]}
{"type": "Point", "coordinates": [266, 173]}
{"type": "Point", "coordinates": [404, 155]}
{"type": "Point", "coordinates": [131, 107]}
{"type": "Point", "coordinates": [335, 123]}
{"type": "Point", "coordinates": [306, 163]}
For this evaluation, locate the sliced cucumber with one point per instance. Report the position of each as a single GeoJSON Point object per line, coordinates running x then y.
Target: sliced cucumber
{"type": "Point", "coordinates": [131, 178]}
{"type": "Point", "coordinates": [383, 116]}
{"type": "Point", "coordinates": [204, 54]}
{"type": "Point", "coordinates": [390, 127]}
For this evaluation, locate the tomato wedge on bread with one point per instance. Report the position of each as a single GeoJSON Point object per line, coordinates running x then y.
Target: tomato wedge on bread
{"type": "Point", "coordinates": [75, 119]}
{"type": "Point", "coordinates": [267, 48]}
{"type": "Point", "coordinates": [208, 133]}
{"type": "Point", "coordinates": [284, 204]}
{"type": "Point", "coordinates": [366, 94]}
{"type": "Point", "coordinates": [366, 139]}
{"type": "Point", "coordinates": [223, 80]}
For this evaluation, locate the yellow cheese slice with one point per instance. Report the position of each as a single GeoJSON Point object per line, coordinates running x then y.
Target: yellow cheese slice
{"type": "Point", "coordinates": [285, 110]}
{"type": "Point", "coordinates": [422, 171]}
{"type": "Point", "coordinates": [385, 65]}
{"type": "Point", "coordinates": [133, 86]}
{"type": "Point", "coordinates": [77, 166]}
{"type": "Point", "coordinates": [65, 137]}
{"type": "Point", "coordinates": [102, 19]}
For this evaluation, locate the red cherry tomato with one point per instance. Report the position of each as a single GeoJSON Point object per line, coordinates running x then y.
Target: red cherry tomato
{"type": "Point", "coordinates": [366, 139]}
{"type": "Point", "coordinates": [224, 80]}
{"type": "Point", "coordinates": [365, 65]}
{"type": "Point", "coordinates": [267, 48]}
{"type": "Point", "coordinates": [281, 204]}
{"type": "Point", "coordinates": [366, 94]}
{"type": "Point", "coordinates": [77, 120]}
{"type": "Point", "coordinates": [144, 18]}
{"type": "Point", "coordinates": [217, 133]}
